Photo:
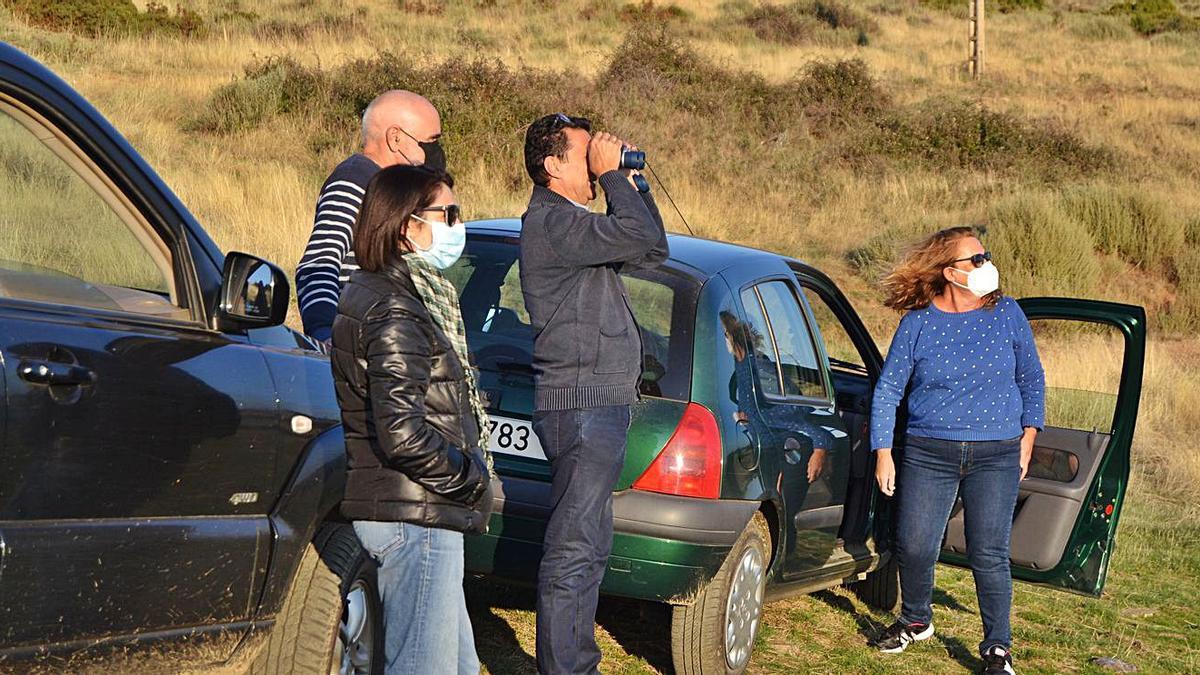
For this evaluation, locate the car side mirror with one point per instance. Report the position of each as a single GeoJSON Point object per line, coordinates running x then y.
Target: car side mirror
{"type": "Point", "coordinates": [254, 294]}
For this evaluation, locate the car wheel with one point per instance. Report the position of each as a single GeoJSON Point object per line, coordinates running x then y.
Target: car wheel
{"type": "Point", "coordinates": [715, 635]}
{"type": "Point", "coordinates": [331, 621]}
{"type": "Point", "coordinates": [881, 588]}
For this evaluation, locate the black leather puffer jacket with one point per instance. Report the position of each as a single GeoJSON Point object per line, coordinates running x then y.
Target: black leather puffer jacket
{"type": "Point", "coordinates": [411, 439]}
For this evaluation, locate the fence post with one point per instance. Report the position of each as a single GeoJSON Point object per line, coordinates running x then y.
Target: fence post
{"type": "Point", "coordinates": [976, 38]}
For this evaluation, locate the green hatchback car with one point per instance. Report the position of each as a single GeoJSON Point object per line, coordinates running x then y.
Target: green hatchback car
{"type": "Point", "coordinates": [748, 475]}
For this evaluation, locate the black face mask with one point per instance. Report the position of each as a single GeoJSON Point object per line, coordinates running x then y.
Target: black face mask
{"type": "Point", "coordinates": [435, 156]}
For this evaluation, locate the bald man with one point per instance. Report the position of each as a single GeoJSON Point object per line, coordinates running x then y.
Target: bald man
{"type": "Point", "coordinates": [398, 127]}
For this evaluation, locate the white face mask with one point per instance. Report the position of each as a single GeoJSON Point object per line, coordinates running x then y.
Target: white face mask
{"type": "Point", "coordinates": [981, 281]}
{"type": "Point", "coordinates": [447, 246]}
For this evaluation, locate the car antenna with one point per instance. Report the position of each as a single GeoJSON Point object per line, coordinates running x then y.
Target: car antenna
{"type": "Point", "coordinates": [668, 194]}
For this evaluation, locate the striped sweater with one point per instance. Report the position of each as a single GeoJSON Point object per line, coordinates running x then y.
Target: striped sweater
{"type": "Point", "coordinates": [328, 258]}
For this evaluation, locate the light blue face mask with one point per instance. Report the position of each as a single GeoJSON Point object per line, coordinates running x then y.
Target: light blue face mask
{"type": "Point", "coordinates": [447, 246]}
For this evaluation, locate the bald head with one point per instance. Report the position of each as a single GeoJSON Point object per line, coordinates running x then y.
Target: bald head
{"type": "Point", "coordinates": [395, 126]}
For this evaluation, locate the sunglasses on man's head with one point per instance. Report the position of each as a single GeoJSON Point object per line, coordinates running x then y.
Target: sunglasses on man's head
{"type": "Point", "coordinates": [978, 259]}
{"type": "Point", "coordinates": [562, 120]}
{"type": "Point", "coordinates": [453, 213]}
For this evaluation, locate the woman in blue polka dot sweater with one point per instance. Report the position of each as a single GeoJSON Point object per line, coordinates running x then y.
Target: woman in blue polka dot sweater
{"type": "Point", "coordinates": [965, 357]}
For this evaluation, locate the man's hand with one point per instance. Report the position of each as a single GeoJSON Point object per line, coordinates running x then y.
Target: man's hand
{"type": "Point", "coordinates": [885, 471]}
{"type": "Point", "coordinates": [604, 154]}
{"type": "Point", "coordinates": [1027, 449]}
{"type": "Point", "coordinates": [816, 464]}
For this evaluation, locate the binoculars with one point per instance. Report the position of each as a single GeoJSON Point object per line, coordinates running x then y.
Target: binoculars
{"type": "Point", "coordinates": [636, 160]}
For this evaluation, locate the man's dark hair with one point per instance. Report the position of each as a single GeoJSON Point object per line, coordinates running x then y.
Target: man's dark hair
{"type": "Point", "coordinates": [393, 196]}
{"type": "Point", "coordinates": [546, 138]}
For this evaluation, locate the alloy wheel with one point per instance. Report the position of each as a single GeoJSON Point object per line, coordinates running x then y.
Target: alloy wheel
{"type": "Point", "coordinates": [743, 608]}
{"type": "Point", "coordinates": [356, 632]}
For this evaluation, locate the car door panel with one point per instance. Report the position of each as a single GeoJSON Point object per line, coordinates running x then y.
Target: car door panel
{"type": "Point", "coordinates": [1068, 508]}
{"type": "Point", "coordinates": [137, 501]}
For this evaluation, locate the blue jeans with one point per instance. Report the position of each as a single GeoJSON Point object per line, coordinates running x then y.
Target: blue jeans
{"type": "Point", "coordinates": [426, 628]}
{"type": "Point", "coordinates": [986, 474]}
{"type": "Point", "coordinates": [586, 449]}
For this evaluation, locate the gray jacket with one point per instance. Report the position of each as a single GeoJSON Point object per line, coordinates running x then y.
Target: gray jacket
{"type": "Point", "coordinates": [587, 345]}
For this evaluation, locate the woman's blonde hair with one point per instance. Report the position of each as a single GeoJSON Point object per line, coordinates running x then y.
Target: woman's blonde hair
{"type": "Point", "coordinates": [917, 279]}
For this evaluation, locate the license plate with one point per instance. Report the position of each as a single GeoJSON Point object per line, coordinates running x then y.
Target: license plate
{"type": "Point", "coordinates": [514, 437]}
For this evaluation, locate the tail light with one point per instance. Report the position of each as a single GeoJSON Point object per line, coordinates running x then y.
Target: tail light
{"type": "Point", "coordinates": [690, 464]}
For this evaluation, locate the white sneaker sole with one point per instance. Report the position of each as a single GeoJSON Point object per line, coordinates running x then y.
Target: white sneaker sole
{"type": "Point", "coordinates": [923, 635]}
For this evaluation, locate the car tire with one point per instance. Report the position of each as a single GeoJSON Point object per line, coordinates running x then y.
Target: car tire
{"type": "Point", "coordinates": [881, 588]}
{"type": "Point", "coordinates": [331, 621]}
{"type": "Point", "coordinates": [715, 634]}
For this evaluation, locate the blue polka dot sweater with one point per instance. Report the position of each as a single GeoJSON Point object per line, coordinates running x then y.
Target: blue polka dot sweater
{"type": "Point", "coordinates": [970, 376]}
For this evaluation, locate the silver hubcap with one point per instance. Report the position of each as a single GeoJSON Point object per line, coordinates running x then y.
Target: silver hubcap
{"type": "Point", "coordinates": [355, 633]}
{"type": "Point", "coordinates": [743, 608]}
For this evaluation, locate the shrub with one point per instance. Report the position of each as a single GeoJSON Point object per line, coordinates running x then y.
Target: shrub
{"type": "Point", "coordinates": [1127, 222]}
{"type": "Point", "coordinates": [1151, 17]}
{"type": "Point", "coordinates": [103, 17]}
{"type": "Point", "coordinates": [647, 10]}
{"type": "Point", "coordinates": [944, 135]}
{"type": "Point", "coordinates": [835, 94]}
{"type": "Point", "coordinates": [806, 20]}
{"type": "Point", "coordinates": [1039, 248]}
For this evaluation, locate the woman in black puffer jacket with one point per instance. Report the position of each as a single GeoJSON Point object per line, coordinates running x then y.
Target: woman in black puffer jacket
{"type": "Point", "coordinates": [417, 477]}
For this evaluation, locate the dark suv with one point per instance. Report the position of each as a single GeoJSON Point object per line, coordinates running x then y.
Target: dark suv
{"type": "Point", "coordinates": [751, 362]}
{"type": "Point", "coordinates": [171, 463]}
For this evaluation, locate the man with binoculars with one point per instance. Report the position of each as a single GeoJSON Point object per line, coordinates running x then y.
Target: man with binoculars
{"type": "Point", "coordinates": [586, 356]}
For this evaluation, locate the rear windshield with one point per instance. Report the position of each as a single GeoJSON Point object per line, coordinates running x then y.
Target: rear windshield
{"type": "Point", "coordinates": [501, 339]}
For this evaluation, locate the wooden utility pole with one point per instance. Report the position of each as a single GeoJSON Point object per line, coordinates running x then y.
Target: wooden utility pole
{"type": "Point", "coordinates": [976, 38]}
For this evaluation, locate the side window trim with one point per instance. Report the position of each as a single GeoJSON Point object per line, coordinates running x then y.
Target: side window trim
{"type": "Point", "coordinates": [819, 401]}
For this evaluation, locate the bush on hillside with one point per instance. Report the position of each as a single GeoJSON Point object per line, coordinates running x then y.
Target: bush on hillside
{"type": "Point", "coordinates": [1127, 222]}
{"type": "Point", "coordinates": [808, 21]}
{"type": "Point", "coordinates": [649, 11]}
{"type": "Point", "coordinates": [1044, 249]}
{"type": "Point", "coordinates": [664, 94]}
{"type": "Point", "coordinates": [959, 134]}
{"type": "Point", "coordinates": [106, 17]}
{"type": "Point", "coordinates": [1151, 17]}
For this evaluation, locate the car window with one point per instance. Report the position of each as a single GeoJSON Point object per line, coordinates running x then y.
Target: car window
{"type": "Point", "coordinates": [757, 336]}
{"type": "Point", "coordinates": [795, 353]}
{"type": "Point", "coordinates": [61, 242]}
{"type": "Point", "coordinates": [501, 339]}
{"type": "Point", "coordinates": [838, 343]}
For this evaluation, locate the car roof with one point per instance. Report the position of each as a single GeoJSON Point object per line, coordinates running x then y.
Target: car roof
{"type": "Point", "coordinates": [705, 257]}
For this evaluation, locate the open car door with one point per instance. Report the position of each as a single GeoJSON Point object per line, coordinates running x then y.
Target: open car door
{"type": "Point", "coordinates": [1070, 502]}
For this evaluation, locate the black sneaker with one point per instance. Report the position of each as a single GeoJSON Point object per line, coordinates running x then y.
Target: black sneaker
{"type": "Point", "coordinates": [998, 660]}
{"type": "Point", "coordinates": [899, 635]}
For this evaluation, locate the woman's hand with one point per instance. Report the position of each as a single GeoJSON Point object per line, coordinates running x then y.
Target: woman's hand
{"type": "Point", "coordinates": [1027, 449]}
{"type": "Point", "coordinates": [816, 464]}
{"type": "Point", "coordinates": [885, 471]}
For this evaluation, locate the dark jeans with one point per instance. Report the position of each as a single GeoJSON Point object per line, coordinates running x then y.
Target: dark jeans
{"type": "Point", "coordinates": [586, 449]}
{"type": "Point", "coordinates": [986, 474]}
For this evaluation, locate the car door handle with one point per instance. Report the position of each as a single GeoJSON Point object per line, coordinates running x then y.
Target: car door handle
{"type": "Point", "coordinates": [56, 374]}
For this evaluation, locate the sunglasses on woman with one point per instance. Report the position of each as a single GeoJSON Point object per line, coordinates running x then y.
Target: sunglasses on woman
{"type": "Point", "coordinates": [977, 260]}
{"type": "Point", "coordinates": [453, 213]}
